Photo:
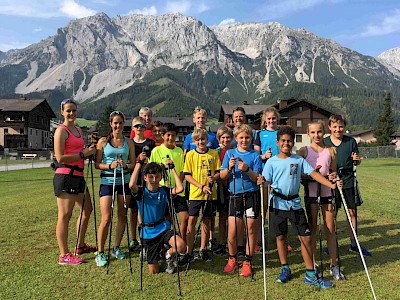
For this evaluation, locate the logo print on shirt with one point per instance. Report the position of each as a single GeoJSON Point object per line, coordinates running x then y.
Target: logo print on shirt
{"type": "Point", "coordinates": [293, 169]}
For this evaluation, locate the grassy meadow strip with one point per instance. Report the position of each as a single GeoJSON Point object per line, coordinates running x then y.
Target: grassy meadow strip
{"type": "Point", "coordinates": [29, 252]}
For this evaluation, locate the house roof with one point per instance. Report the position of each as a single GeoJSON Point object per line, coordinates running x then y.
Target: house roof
{"type": "Point", "coordinates": [294, 102]}
{"type": "Point", "coordinates": [356, 133]}
{"type": "Point", "coordinates": [25, 105]}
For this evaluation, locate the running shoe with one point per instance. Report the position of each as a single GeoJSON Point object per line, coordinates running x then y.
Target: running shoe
{"type": "Point", "coordinates": [364, 251]}
{"type": "Point", "coordinates": [246, 269]}
{"type": "Point", "coordinates": [318, 282]}
{"type": "Point", "coordinates": [212, 243]}
{"type": "Point", "coordinates": [285, 276]}
{"type": "Point", "coordinates": [70, 259]}
{"type": "Point", "coordinates": [169, 265]}
{"type": "Point", "coordinates": [203, 254]}
{"type": "Point", "coordinates": [219, 249]}
{"type": "Point", "coordinates": [326, 250]}
{"type": "Point", "coordinates": [134, 245]}
{"type": "Point", "coordinates": [86, 248]}
{"type": "Point", "coordinates": [185, 259]}
{"type": "Point", "coordinates": [336, 273]}
{"type": "Point", "coordinates": [101, 259]}
{"type": "Point", "coordinates": [118, 253]}
{"type": "Point", "coordinates": [231, 266]}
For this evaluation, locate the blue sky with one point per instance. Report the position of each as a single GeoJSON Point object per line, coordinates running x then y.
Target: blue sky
{"type": "Point", "coordinates": [367, 26]}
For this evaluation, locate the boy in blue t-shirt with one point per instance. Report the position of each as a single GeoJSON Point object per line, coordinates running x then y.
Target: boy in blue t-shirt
{"type": "Point", "coordinates": [283, 173]}
{"type": "Point", "coordinates": [155, 229]}
{"type": "Point", "coordinates": [241, 165]}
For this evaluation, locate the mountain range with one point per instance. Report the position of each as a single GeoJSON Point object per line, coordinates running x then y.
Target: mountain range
{"type": "Point", "coordinates": [174, 62]}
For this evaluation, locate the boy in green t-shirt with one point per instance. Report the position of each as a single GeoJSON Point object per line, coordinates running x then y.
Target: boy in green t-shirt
{"type": "Point", "coordinates": [346, 155]}
{"type": "Point", "coordinates": [159, 155]}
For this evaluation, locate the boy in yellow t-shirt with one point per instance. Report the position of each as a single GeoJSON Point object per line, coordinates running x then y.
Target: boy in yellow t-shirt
{"type": "Point", "coordinates": [201, 171]}
{"type": "Point", "coordinates": [159, 155]}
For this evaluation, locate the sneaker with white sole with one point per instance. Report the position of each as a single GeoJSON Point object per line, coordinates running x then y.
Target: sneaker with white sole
{"type": "Point", "coordinates": [364, 251]}
{"type": "Point", "coordinates": [70, 259]}
{"type": "Point", "coordinates": [101, 259]}
{"type": "Point", "coordinates": [285, 276]}
{"type": "Point", "coordinates": [336, 273]}
{"type": "Point", "coordinates": [118, 253]}
{"type": "Point", "coordinates": [134, 245]}
{"type": "Point", "coordinates": [169, 265]}
{"type": "Point", "coordinates": [315, 280]}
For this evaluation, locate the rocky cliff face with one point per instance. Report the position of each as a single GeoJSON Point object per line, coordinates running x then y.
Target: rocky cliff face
{"type": "Point", "coordinates": [391, 58]}
{"type": "Point", "coordinates": [97, 56]}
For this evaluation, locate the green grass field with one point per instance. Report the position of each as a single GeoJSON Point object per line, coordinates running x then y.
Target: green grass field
{"type": "Point", "coordinates": [29, 252]}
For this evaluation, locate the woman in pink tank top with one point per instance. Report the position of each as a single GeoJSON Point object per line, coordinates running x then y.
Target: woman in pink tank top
{"type": "Point", "coordinates": [69, 183]}
{"type": "Point", "coordinates": [323, 160]}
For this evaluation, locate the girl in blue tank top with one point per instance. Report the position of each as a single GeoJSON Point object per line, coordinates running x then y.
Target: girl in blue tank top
{"type": "Point", "coordinates": [115, 157]}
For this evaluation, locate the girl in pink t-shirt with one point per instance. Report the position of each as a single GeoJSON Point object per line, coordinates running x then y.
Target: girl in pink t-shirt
{"type": "Point", "coordinates": [323, 160]}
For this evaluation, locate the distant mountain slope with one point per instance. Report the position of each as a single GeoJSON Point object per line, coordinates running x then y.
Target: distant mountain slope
{"type": "Point", "coordinates": [391, 57]}
{"type": "Point", "coordinates": [136, 60]}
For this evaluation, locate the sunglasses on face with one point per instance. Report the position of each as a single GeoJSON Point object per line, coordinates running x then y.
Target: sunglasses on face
{"type": "Point", "coordinates": [68, 100]}
{"type": "Point", "coordinates": [139, 126]}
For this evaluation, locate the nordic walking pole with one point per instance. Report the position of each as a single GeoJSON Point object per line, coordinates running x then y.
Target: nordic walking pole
{"type": "Point", "coordinates": [319, 220]}
{"type": "Point", "coordinates": [263, 236]}
{"type": "Point", "coordinates": [174, 229]}
{"type": "Point", "coordinates": [356, 238]}
{"type": "Point", "coordinates": [246, 230]}
{"type": "Point", "coordinates": [141, 234]}
{"type": "Point", "coordinates": [81, 213]}
{"type": "Point", "coordinates": [335, 226]}
{"type": "Point", "coordinates": [197, 233]}
{"type": "Point", "coordinates": [210, 185]}
{"type": "Point", "coordinates": [126, 213]}
{"type": "Point", "coordinates": [111, 221]}
{"type": "Point", "coordinates": [94, 200]}
{"type": "Point", "coordinates": [235, 206]}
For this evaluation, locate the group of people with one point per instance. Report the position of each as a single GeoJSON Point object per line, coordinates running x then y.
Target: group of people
{"type": "Point", "coordinates": [223, 172]}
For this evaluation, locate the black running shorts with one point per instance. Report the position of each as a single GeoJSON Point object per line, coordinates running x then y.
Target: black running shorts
{"type": "Point", "coordinates": [279, 225]}
{"type": "Point", "coordinates": [67, 183]}
{"type": "Point", "coordinates": [155, 245]}
{"type": "Point", "coordinates": [196, 205]}
{"type": "Point", "coordinates": [247, 204]}
{"type": "Point", "coordinates": [349, 196]}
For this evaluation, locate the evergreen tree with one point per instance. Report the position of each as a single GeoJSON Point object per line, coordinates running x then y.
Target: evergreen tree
{"type": "Point", "coordinates": [103, 124]}
{"type": "Point", "coordinates": [384, 127]}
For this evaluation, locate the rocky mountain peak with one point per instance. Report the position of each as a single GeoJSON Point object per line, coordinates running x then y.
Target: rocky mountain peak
{"type": "Point", "coordinates": [391, 57]}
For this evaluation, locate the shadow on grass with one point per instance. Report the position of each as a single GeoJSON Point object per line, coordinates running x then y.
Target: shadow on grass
{"type": "Point", "coordinates": [372, 237]}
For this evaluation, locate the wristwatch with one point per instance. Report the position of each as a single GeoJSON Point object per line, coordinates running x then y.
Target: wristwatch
{"type": "Point", "coordinates": [81, 155]}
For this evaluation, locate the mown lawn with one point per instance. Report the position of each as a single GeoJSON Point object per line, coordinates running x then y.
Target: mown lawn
{"type": "Point", "coordinates": [28, 251]}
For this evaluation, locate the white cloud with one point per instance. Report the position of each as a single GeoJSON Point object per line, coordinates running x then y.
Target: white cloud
{"type": "Point", "coordinates": [148, 11]}
{"type": "Point", "coordinates": [182, 7]}
{"type": "Point", "coordinates": [44, 8]}
{"type": "Point", "coordinates": [74, 10]}
{"type": "Point", "coordinates": [390, 24]}
{"type": "Point", "coordinates": [37, 29]}
{"type": "Point", "coordinates": [202, 7]}
{"type": "Point", "coordinates": [227, 22]}
{"type": "Point", "coordinates": [26, 9]}
{"type": "Point", "coordinates": [280, 8]}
